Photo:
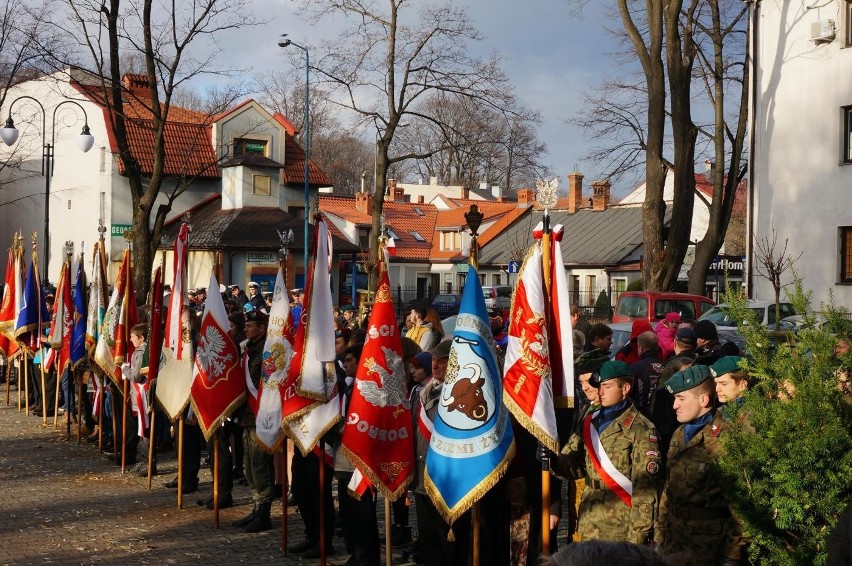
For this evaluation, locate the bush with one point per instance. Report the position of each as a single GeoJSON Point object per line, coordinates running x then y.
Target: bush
{"type": "Point", "coordinates": [636, 285]}
{"type": "Point", "coordinates": [603, 307]}
{"type": "Point", "coordinates": [789, 462]}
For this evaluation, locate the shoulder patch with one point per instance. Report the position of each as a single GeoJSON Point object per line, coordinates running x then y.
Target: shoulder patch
{"type": "Point", "coordinates": [715, 430]}
{"type": "Point", "coordinates": [652, 453]}
{"type": "Point", "coordinates": [628, 421]}
{"type": "Point", "coordinates": [652, 438]}
{"type": "Point", "coordinates": [652, 467]}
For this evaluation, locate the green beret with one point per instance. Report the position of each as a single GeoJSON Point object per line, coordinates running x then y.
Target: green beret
{"type": "Point", "coordinates": [687, 379]}
{"type": "Point", "coordinates": [347, 308]}
{"type": "Point", "coordinates": [612, 369]}
{"type": "Point", "coordinates": [728, 364]}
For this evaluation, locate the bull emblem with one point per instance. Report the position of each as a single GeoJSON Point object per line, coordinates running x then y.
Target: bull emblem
{"type": "Point", "coordinates": [466, 396]}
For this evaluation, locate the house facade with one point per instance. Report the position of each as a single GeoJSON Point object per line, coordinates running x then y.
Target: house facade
{"type": "Point", "coordinates": [802, 142]}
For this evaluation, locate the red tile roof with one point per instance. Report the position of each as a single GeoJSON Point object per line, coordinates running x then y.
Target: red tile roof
{"type": "Point", "coordinates": [344, 207]}
{"type": "Point", "coordinates": [294, 166]}
{"type": "Point", "coordinates": [454, 217]}
{"type": "Point", "coordinates": [502, 224]}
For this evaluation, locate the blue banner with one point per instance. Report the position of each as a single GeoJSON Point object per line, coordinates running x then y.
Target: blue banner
{"type": "Point", "coordinates": [472, 441]}
{"type": "Point", "coordinates": [78, 335]}
{"type": "Point", "coordinates": [33, 306]}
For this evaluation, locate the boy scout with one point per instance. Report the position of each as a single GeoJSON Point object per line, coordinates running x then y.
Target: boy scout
{"type": "Point", "coordinates": [616, 452]}
{"type": "Point", "coordinates": [694, 516]}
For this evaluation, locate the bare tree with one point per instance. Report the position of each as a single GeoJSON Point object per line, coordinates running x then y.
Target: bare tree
{"type": "Point", "coordinates": [162, 35]}
{"type": "Point", "coordinates": [392, 60]}
{"type": "Point", "coordinates": [771, 262]}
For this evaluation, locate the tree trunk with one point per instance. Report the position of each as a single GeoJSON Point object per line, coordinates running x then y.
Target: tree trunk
{"type": "Point", "coordinates": [378, 204]}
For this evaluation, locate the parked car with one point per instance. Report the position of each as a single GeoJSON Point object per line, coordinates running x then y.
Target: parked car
{"type": "Point", "coordinates": [498, 296]}
{"type": "Point", "coordinates": [447, 304]}
{"type": "Point", "coordinates": [653, 306]}
{"type": "Point", "coordinates": [764, 310]}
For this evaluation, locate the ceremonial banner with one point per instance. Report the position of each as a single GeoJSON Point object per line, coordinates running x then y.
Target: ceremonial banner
{"type": "Point", "coordinates": [377, 437]}
{"type": "Point", "coordinates": [472, 441]}
{"type": "Point", "coordinates": [174, 331]}
{"type": "Point", "coordinates": [155, 334]}
{"type": "Point", "coordinates": [78, 333]}
{"type": "Point", "coordinates": [62, 322]}
{"type": "Point", "coordinates": [33, 315]}
{"type": "Point", "coordinates": [218, 384]}
{"type": "Point", "coordinates": [527, 386]}
{"type": "Point", "coordinates": [97, 299]}
{"type": "Point", "coordinates": [560, 333]}
{"type": "Point", "coordinates": [114, 346]}
{"type": "Point", "coordinates": [315, 339]}
{"type": "Point", "coordinates": [11, 302]}
{"type": "Point", "coordinates": [277, 355]}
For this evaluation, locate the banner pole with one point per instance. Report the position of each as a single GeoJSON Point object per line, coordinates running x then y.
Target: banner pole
{"type": "Point", "coordinates": [78, 380]}
{"type": "Point", "coordinates": [26, 382]}
{"type": "Point", "coordinates": [216, 478]}
{"type": "Point", "coordinates": [151, 443]}
{"type": "Point", "coordinates": [56, 403]}
{"type": "Point", "coordinates": [322, 496]}
{"type": "Point", "coordinates": [475, 534]}
{"type": "Point", "coordinates": [123, 426]}
{"type": "Point", "coordinates": [180, 463]}
{"type": "Point", "coordinates": [388, 534]}
{"type": "Point", "coordinates": [9, 381]}
{"type": "Point", "coordinates": [43, 386]}
{"type": "Point", "coordinates": [285, 487]}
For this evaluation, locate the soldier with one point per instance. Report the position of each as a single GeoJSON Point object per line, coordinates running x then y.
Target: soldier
{"type": "Point", "coordinates": [349, 319]}
{"type": "Point", "coordinates": [616, 452]}
{"type": "Point", "coordinates": [694, 516]}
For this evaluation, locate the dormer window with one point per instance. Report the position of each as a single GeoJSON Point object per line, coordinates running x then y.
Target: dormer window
{"type": "Point", "coordinates": [246, 146]}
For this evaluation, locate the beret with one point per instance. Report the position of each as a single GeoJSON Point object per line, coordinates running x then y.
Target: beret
{"type": "Point", "coordinates": [347, 308]}
{"type": "Point", "coordinates": [257, 316]}
{"type": "Point", "coordinates": [728, 364]}
{"type": "Point", "coordinates": [687, 379]}
{"type": "Point", "coordinates": [612, 369]}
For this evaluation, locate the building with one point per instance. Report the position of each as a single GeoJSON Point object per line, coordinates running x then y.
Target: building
{"type": "Point", "coordinates": [801, 143]}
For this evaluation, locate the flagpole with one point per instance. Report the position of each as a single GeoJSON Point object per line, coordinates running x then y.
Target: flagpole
{"type": "Point", "coordinates": [546, 197]}
{"type": "Point", "coordinates": [388, 533]}
{"type": "Point", "coordinates": [26, 381]}
{"type": "Point", "coordinates": [151, 429]}
{"type": "Point", "coordinates": [216, 479]}
{"type": "Point", "coordinates": [285, 487]}
{"type": "Point", "coordinates": [180, 462]}
{"type": "Point", "coordinates": [322, 496]}
{"type": "Point", "coordinates": [38, 331]}
{"type": "Point", "coordinates": [78, 379]}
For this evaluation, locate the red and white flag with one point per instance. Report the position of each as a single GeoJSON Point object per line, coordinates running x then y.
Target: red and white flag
{"type": "Point", "coordinates": [174, 333]}
{"type": "Point", "coordinates": [377, 437]}
{"type": "Point", "coordinates": [358, 485]}
{"type": "Point", "coordinates": [527, 385]}
{"type": "Point", "coordinates": [617, 482]}
{"type": "Point", "coordinates": [62, 322]}
{"type": "Point", "coordinates": [114, 346]}
{"type": "Point", "coordinates": [11, 299]}
{"type": "Point", "coordinates": [97, 303]}
{"type": "Point", "coordinates": [218, 384]}
{"type": "Point", "coordinates": [560, 333]}
{"type": "Point", "coordinates": [315, 339]}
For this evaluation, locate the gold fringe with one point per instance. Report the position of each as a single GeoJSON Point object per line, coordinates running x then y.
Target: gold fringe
{"type": "Point", "coordinates": [563, 402]}
{"type": "Point", "coordinates": [374, 478]}
{"type": "Point", "coordinates": [286, 419]}
{"type": "Point", "coordinates": [529, 424]}
{"type": "Point", "coordinates": [306, 449]}
{"type": "Point", "coordinates": [451, 536]}
{"type": "Point", "coordinates": [211, 428]}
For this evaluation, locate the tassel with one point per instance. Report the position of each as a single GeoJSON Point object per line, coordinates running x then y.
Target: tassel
{"type": "Point", "coordinates": [451, 537]}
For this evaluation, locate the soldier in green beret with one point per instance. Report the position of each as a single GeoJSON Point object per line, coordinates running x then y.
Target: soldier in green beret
{"type": "Point", "coordinates": [694, 516]}
{"type": "Point", "coordinates": [616, 452]}
{"type": "Point", "coordinates": [731, 380]}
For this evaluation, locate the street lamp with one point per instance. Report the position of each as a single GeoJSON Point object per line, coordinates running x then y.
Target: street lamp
{"type": "Point", "coordinates": [283, 41]}
{"type": "Point", "coordinates": [85, 141]}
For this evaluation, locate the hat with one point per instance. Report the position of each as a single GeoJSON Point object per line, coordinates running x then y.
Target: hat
{"type": "Point", "coordinates": [687, 379]}
{"type": "Point", "coordinates": [442, 350]}
{"type": "Point", "coordinates": [686, 336]}
{"type": "Point", "coordinates": [253, 284]}
{"type": "Point", "coordinates": [345, 333]}
{"type": "Point", "coordinates": [612, 369]}
{"type": "Point", "coordinates": [728, 364]}
{"type": "Point", "coordinates": [347, 308]}
{"type": "Point", "coordinates": [706, 330]}
{"type": "Point", "coordinates": [495, 312]}
{"type": "Point", "coordinates": [257, 316]}
{"type": "Point", "coordinates": [673, 317]}
{"type": "Point", "coordinates": [423, 360]}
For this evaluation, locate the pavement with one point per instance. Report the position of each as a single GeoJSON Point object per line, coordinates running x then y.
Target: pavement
{"type": "Point", "coordinates": [64, 503]}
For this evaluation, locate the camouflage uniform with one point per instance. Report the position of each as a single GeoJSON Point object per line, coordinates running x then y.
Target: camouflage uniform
{"type": "Point", "coordinates": [631, 444]}
{"type": "Point", "coordinates": [694, 516]}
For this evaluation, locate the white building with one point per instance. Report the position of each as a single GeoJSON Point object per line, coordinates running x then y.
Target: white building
{"type": "Point", "coordinates": [802, 140]}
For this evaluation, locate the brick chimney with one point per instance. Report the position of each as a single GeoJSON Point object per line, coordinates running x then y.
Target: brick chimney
{"type": "Point", "coordinates": [575, 192]}
{"type": "Point", "coordinates": [136, 84]}
{"type": "Point", "coordinates": [421, 199]}
{"type": "Point", "coordinates": [600, 195]}
{"type": "Point", "coordinates": [525, 197]}
{"type": "Point", "coordinates": [364, 203]}
{"type": "Point", "coordinates": [390, 190]}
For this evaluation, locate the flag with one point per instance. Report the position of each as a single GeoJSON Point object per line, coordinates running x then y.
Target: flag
{"type": "Point", "coordinates": [97, 299]}
{"type": "Point", "coordinates": [78, 334]}
{"type": "Point", "coordinates": [218, 382]}
{"type": "Point", "coordinates": [33, 315]}
{"type": "Point", "coordinates": [174, 331]}
{"type": "Point", "coordinates": [527, 385]}
{"type": "Point", "coordinates": [561, 335]}
{"type": "Point", "coordinates": [62, 321]}
{"type": "Point", "coordinates": [153, 351]}
{"type": "Point", "coordinates": [8, 310]}
{"type": "Point", "coordinates": [472, 441]}
{"type": "Point", "coordinates": [114, 346]}
{"type": "Point", "coordinates": [377, 437]}
{"type": "Point", "coordinates": [277, 355]}
{"type": "Point", "coordinates": [391, 247]}
{"type": "Point", "coordinates": [315, 338]}
{"type": "Point", "coordinates": [358, 485]}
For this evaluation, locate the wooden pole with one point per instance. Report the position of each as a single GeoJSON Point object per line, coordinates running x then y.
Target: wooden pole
{"type": "Point", "coordinates": [545, 461]}
{"type": "Point", "coordinates": [285, 481]}
{"type": "Point", "coordinates": [123, 426]}
{"type": "Point", "coordinates": [388, 533]}
{"type": "Point", "coordinates": [80, 392]}
{"type": "Point", "coordinates": [56, 402]}
{"type": "Point", "coordinates": [475, 534]}
{"type": "Point", "coordinates": [26, 383]}
{"type": "Point", "coordinates": [180, 464]}
{"type": "Point", "coordinates": [19, 373]}
{"type": "Point", "coordinates": [115, 439]}
{"type": "Point", "coordinates": [151, 445]}
{"type": "Point", "coordinates": [9, 381]}
{"type": "Point", "coordinates": [322, 496]}
{"type": "Point", "coordinates": [101, 416]}
{"type": "Point", "coordinates": [43, 388]}
{"type": "Point", "coordinates": [216, 479]}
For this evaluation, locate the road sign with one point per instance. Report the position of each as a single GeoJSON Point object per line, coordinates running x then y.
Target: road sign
{"type": "Point", "coordinates": [514, 266]}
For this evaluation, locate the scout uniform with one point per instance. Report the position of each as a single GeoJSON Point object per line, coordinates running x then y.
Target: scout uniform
{"type": "Point", "coordinates": [621, 466]}
{"type": "Point", "coordinates": [694, 516]}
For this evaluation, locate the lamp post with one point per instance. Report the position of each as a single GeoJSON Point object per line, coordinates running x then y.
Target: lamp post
{"type": "Point", "coordinates": [9, 134]}
{"type": "Point", "coordinates": [283, 41]}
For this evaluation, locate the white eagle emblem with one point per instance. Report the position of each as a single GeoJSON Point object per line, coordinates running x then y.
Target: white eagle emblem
{"type": "Point", "coordinates": [211, 356]}
{"type": "Point", "coordinates": [391, 392]}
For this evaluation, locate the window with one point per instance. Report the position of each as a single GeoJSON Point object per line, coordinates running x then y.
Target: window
{"type": "Point", "coordinates": [847, 134]}
{"type": "Point", "coordinates": [495, 279]}
{"type": "Point", "coordinates": [845, 233]}
{"type": "Point", "coordinates": [261, 185]}
{"type": "Point", "coordinates": [392, 234]}
{"type": "Point", "coordinates": [847, 15]}
{"type": "Point", "coordinates": [590, 290]}
{"type": "Point", "coordinates": [418, 212]}
{"type": "Point", "coordinates": [244, 146]}
{"type": "Point", "coordinates": [450, 241]}
{"type": "Point", "coordinates": [416, 235]}
{"type": "Point", "coordinates": [618, 287]}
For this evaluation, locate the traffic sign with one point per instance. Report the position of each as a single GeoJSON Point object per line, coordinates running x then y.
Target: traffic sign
{"type": "Point", "coordinates": [514, 266]}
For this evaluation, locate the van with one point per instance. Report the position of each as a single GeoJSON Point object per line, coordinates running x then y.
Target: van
{"type": "Point", "coordinates": [653, 306]}
{"type": "Point", "coordinates": [497, 297]}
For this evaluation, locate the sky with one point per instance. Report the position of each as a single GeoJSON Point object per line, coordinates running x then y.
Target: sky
{"type": "Point", "coordinates": [552, 54]}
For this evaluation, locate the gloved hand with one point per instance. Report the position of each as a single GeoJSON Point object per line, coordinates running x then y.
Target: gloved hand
{"type": "Point", "coordinates": [125, 370]}
{"type": "Point", "coordinates": [543, 453]}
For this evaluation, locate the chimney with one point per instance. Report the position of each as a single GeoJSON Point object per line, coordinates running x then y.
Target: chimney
{"type": "Point", "coordinates": [575, 192]}
{"type": "Point", "coordinates": [497, 193]}
{"type": "Point", "coordinates": [600, 195]}
{"type": "Point", "coordinates": [364, 203]}
{"type": "Point", "coordinates": [524, 197]}
{"type": "Point", "coordinates": [465, 193]}
{"type": "Point", "coordinates": [433, 181]}
{"type": "Point", "coordinates": [390, 190]}
{"type": "Point", "coordinates": [136, 84]}
{"type": "Point", "coordinates": [709, 170]}
{"type": "Point", "coordinates": [398, 194]}
{"type": "Point", "coordinates": [421, 199]}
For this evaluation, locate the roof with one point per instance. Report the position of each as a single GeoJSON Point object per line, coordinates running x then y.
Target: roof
{"type": "Point", "coordinates": [187, 134]}
{"type": "Point", "coordinates": [294, 166]}
{"type": "Point", "coordinates": [250, 228]}
{"type": "Point", "coordinates": [251, 160]}
{"type": "Point", "coordinates": [344, 207]}
{"type": "Point", "coordinates": [502, 224]}
{"type": "Point", "coordinates": [454, 217]}
{"type": "Point", "coordinates": [600, 238]}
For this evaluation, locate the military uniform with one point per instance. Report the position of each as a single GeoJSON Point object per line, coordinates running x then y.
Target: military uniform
{"type": "Point", "coordinates": [694, 517]}
{"type": "Point", "coordinates": [630, 443]}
